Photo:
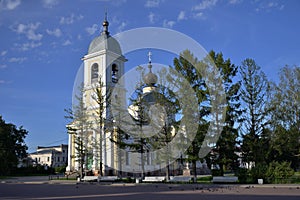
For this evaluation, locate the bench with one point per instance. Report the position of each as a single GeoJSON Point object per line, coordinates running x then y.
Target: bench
{"type": "Point", "coordinates": [90, 178]}
{"type": "Point", "coordinates": [57, 176]}
{"type": "Point", "coordinates": [180, 179]}
{"type": "Point", "coordinates": [107, 178]}
{"type": "Point", "coordinates": [154, 179]}
{"type": "Point", "coordinates": [225, 179]}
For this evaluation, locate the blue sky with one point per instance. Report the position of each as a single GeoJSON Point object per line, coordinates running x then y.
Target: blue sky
{"type": "Point", "coordinates": [42, 42]}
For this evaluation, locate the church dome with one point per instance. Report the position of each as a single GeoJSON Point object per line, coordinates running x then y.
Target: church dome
{"type": "Point", "coordinates": [150, 78]}
{"type": "Point", "coordinates": [105, 41]}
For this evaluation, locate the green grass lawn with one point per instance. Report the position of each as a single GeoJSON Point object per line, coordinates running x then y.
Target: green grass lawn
{"type": "Point", "coordinates": [296, 178]}
{"type": "Point", "coordinates": [204, 180]}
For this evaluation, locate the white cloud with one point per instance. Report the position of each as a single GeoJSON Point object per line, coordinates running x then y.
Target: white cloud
{"type": "Point", "coordinates": [117, 22]}
{"type": "Point", "coordinates": [91, 30]}
{"type": "Point", "coordinates": [3, 53]}
{"type": "Point", "coordinates": [5, 82]}
{"type": "Point", "coordinates": [67, 20]}
{"type": "Point", "coordinates": [56, 32]}
{"type": "Point", "coordinates": [17, 60]}
{"type": "Point", "coordinates": [233, 2]}
{"type": "Point", "coordinates": [205, 4]}
{"type": "Point", "coordinates": [152, 3]}
{"type": "Point", "coordinates": [2, 66]}
{"type": "Point", "coordinates": [122, 26]}
{"type": "Point", "coordinates": [269, 6]}
{"type": "Point", "coordinates": [151, 17]}
{"type": "Point", "coordinates": [181, 16]}
{"type": "Point", "coordinates": [9, 4]}
{"type": "Point", "coordinates": [50, 3]}
{"type": "Point", "coordinates": [168, 24]}
{"type": "Point", "coordinates": [198, 15]}
{"type": "Point", "coordinates": [29, 30]}
{"type": "Point", "coordinates": [80, 17]}
{"type": "Point", "coordinates": [70, 19]}
{"type": "Point", "coordinates": [67, 42]}
{"type": "Point", "coordinates": [28, 45]}
{"type": "Point", "coordinates": [118, 2]}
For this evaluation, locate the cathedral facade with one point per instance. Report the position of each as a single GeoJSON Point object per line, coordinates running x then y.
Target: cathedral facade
{"type": "Point", "coordinates": [93, 144]}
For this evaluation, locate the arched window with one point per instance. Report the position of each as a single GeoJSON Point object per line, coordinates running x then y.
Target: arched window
{"type": "Point", "coordinates": [114, 73]}
{"type": "Point", "coordinates": [94, 72]}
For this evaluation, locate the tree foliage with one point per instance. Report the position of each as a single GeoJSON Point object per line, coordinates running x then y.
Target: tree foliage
{"type": "Point", "coordinates": [185, 65]}
{"type": "Point", "coordinates": [226, 146]}
{"type": "Point", "coordinates": [254, 94]}
{"type": "Point", "coordinates": [101, 97]}
{"type": "Point", "coordinates": [285, 115]}
{"type": "Point", "coordinates": [80, 127]}
{"type": "Point", "coordinates": [12, 146]}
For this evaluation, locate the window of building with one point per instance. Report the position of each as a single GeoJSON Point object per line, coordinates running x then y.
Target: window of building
{"type": "Point", "coordinates": [94, 72]}
{"type": "Point", "coordinates": [58, 159]}
{"type": "Point", "coordinates": [114, 73]}
{"type": "Point", "coordinates": [48, 159]}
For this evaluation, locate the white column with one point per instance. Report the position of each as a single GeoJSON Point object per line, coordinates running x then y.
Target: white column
{"type": "Point", "coordinates": [104, 149]}
{"type": "Point", "coordinates": [69, 167]}
{"type": "Point", "coordinates": [95, 154]}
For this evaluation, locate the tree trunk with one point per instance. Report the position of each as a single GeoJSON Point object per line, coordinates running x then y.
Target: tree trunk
{"type": "Point", "coordinates": [194, 171]}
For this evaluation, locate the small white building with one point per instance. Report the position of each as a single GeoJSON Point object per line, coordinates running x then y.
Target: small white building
{"type": "Point", "coordinates": [52, 156]}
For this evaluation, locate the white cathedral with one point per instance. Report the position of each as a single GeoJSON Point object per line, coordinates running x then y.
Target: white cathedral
{"type": "Point", "coordinates": [105, 61]}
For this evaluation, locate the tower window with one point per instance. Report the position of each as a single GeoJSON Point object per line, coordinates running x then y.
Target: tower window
{"type": "Point", "coordinates": [94, 72]}
{"type": "Point", "coordinates": [114, 73]}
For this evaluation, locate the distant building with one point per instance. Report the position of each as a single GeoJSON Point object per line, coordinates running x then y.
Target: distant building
{"type": "Point", "coordinates": [52, 156]}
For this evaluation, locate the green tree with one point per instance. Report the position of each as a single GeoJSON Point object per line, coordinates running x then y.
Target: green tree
{"type": "Point", "coordinates": [185, 66]}
{"type": "Point", "coordinates": [165, 99]}
{"type": "Point", "coordinates": [133, 139]}
{"type": "Point", "coordinates": [254, 94]}
{"type": "Point", "coordinates": [285, 115]}
{"type": "Point", "coordinates": [101, 97]}
{"type": "Point", "coordinates": [12, 146]}
{"type": "Point", "coordinates": [153, 107]}
{"type": "Point", "coordinates": [226, 146]}
{"type": "Point", "coordinates": [80, 126]}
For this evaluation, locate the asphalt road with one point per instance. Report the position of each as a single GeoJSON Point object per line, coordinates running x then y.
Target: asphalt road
{"type": "Point", "coordinates": [42, 188]}
{"type": "Point", "coordinates": [38, 190]}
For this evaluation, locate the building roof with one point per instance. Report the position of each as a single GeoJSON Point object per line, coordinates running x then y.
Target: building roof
{"type": "Point", "coordinates": [47, 151]}
{"type": "Point", "coordinates": [105, 41]}
{"type": "Point", "coordinates": [150, 79]}
{"type": "Point", "coordinates": [48, 147]}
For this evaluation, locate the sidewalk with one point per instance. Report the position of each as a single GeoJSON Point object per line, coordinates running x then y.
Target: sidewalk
{"type": "Point", "coordinates": [45, 180]}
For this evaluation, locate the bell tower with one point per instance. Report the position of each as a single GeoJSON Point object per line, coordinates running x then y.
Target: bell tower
{"type": "Point", "coordinates": [104, 59]}
{"type": "Point", "coordinates": [103, 62]}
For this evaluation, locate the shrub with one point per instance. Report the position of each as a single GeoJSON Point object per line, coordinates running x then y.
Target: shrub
{"type": "Point", "coordinates": [258, 172]}
{"type": "Point", "coordinates": [279, 172]}
{"type": "Point", "coordinates": [61, 169]}
{"type": "Point", "coordinates": [243, 175]}
{"type": "Point", "coordinates": [216, 172]}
